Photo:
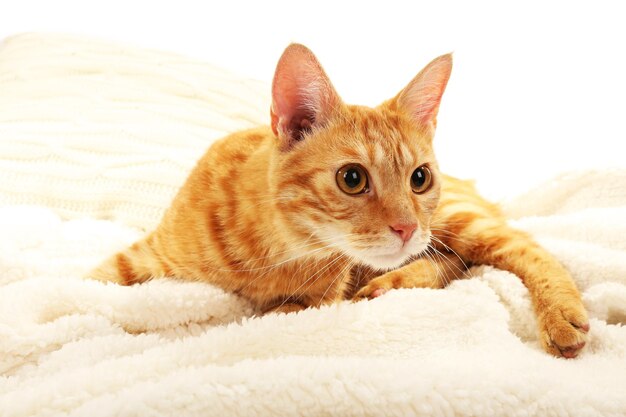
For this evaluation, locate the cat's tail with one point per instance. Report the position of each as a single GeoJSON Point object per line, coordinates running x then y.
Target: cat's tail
{"type": "Point", "coordinates": [138, 263]}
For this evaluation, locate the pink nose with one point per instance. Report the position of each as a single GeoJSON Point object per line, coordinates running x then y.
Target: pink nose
{"type": "Point", "coordinates": [405, 231]}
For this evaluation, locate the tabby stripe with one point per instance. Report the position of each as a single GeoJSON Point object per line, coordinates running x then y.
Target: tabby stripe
{"type": "Point", "coordinates": [160, 254]}
{"type": "Point", "coordinates": [301, 180]}
{"type": "Point", "coordinates": [125, 269]}
{"type": "Point", "coordinates": [216, 230]}
{"type": "Point", "coordinates": [245, 232]}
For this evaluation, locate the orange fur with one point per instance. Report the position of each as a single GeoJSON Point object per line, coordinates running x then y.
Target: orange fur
{"type": "Point", "coordinates": [262, 215]}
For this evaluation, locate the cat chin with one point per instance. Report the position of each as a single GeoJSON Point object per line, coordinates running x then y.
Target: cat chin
{"type": "Point", "coordinates": [389, 262]}
{"type": "Point", "coordinates": [385, 263]}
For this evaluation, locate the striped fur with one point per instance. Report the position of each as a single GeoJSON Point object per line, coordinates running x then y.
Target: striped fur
{"type": "Point", "coordinates": [261, 214]}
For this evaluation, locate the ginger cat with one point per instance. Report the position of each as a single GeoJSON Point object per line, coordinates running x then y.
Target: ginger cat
{"type": "Point", "coordinates": [281, 214]}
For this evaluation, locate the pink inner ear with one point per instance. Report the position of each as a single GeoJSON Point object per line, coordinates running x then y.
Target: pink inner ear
{"type": "Point", "coordinates": [301, 93]}
{"type": "Point", "coordinates": [294, 122]}
{"type": "Point", "coordinates": [421, 98]}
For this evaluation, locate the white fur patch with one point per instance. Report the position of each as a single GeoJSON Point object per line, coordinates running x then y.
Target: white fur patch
{"type": "Point", "coordinates": [407, 156]}
{"type": "Point", "coordinates": [379, 155]}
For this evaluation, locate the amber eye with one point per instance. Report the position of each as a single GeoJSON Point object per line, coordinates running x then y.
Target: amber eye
{"type": "Point", "coordinates": [421, 180]}
{"type": "Point", "coordinates": [352, 179]}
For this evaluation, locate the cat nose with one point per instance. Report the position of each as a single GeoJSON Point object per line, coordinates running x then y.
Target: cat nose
{"type": "Point", "coordinates": [404, 230]}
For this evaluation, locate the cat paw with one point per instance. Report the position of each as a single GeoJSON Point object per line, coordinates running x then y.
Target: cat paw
{"type": "Point", "coordinates": [378, 286]}
{"type": "Point", "coordinates": [564, 329]}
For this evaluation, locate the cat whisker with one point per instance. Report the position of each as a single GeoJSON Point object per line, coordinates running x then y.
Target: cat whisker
{"type": "Point", "coordinates": [449, 235]}
{"type": "Point", "coordinates": [319, 241]}
{"type": "Point", "coordinates": [328, 266]}
{"type": "Point", "coordinates": [318, 274]}
{"type": "Point", "coordinates": [437, 270]}
{"type": "Point", "coordinates": [341, 274]}
{"type": "Point", "coordinates": [272, 267]}
{"type": "Point", "coordinates": [443, 261]}
{"type": "Point", "coordinates": [302, 265]}
{"type": "Point", "coordinates": [307, 243]}
{"type": "Point", "coordinates": [359, 270]}
{"type": "Point", "coordinates": [266, 273]}
{"type": "Point", "coordinates": [451, 250]}
{"type": "Point", "coordinates": [269, 267]}
{"type": "Point", "coordinates": [464, 272]}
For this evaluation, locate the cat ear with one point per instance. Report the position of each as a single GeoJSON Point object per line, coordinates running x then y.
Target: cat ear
{"type": "Point", "coordinates": [302, 95]}
{"type": "Point", "coordinates": [421, 98]}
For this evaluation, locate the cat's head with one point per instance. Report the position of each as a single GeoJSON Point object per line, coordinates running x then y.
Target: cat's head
{"type": "Point", "coordinates": [363, 181]}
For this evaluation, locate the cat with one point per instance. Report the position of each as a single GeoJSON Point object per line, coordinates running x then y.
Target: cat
{"type": "Point", "coordinates": [283, 214]}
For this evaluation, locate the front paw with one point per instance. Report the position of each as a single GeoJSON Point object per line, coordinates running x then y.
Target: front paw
{"type": "Point", "coordinates": [563, 329]}
{"type": "Point", "coordinates": [378, 286]}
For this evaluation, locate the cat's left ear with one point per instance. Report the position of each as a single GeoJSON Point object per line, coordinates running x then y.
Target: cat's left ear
{"type": "Point", "coordinates": [302, 95]}
{"type": "Point", "coordinates": [421, 98]}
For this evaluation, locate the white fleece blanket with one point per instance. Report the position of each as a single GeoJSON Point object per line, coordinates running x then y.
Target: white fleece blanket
{"type": "Point", "coordinates": [83, 348]}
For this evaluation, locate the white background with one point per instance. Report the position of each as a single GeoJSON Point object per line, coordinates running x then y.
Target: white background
{"type": "Point", "coordinates": [538, 88]}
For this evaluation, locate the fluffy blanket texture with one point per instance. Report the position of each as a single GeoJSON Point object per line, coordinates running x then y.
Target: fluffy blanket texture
{"type": "Point", "coordinates": [70, 346]}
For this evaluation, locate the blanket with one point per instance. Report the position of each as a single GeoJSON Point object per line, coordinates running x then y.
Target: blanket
{"type": "Point", "coordinates": [76, 347]}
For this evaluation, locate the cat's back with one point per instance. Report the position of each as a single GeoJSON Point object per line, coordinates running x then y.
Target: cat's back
{"type": "Point", "coordinates": [205, 219]}
{"type": "Point", "coordinates": [217, 174]}
{"type": "Point", "coordinates": [208, 215]}
{"type": "Point", "coordinates": [236, 149]}
{"type": "Point", "coordinates": [225, 162]}
{"type": "Point", "coordinates": [461, 202]}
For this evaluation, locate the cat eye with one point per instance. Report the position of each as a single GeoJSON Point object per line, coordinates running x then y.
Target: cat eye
{"type": "Point", "coordinates": [421, 179]}
{"type": "Point", "coordinates": [352, 179]}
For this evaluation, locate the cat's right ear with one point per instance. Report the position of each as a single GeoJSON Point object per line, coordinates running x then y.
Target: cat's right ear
{"type": "Point", "coordinates": [302, 95]}
{"type": "Point", "coordinates": [421, 98]}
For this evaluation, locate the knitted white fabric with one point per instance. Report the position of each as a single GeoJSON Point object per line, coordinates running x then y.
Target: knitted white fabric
{"type": "Point", "coordinates": [94, 129]}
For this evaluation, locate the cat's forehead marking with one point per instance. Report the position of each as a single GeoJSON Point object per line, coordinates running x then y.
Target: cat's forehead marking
{"type": "Point", "coordinates": [382, 138]}
{"type": "Point", "coordinates": [362, 151]}
{"type": "Point", "coordinates": [373, 153]}
{"type": "Point", "coordinates": [379, 154]}
{"type": "Point", "coordinates": [407, 155]}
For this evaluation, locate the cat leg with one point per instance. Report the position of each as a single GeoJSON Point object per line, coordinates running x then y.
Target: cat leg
{"type": "Point", "coordinates": [432, 271]}
{"type": "Point", "coordinates": [562, 319]}
{"type": "Point", "coordinates": [136, 264]}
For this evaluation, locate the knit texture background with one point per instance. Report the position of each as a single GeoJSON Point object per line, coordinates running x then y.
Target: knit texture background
{"type": "Point", "coordinates": [94, 129]}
